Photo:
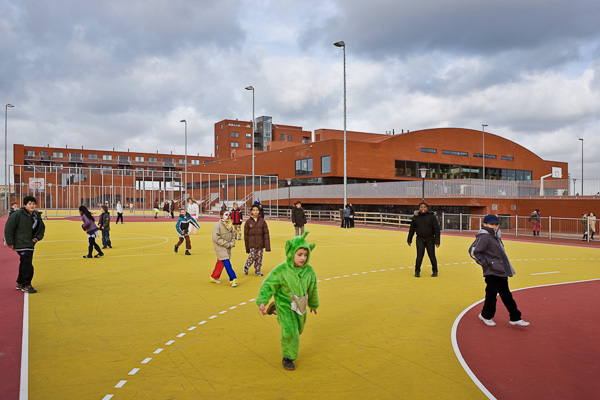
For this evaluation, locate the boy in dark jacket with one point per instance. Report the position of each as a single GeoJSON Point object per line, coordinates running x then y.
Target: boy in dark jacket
{"type": "Point", "coordinates": [104, 225]}
{"type": "Point", "coordinates": [22, 231]}
{"type": "Point", "coordinates": [298, 218]}
{"type": "Point", "coordinates": [427, 228]}
{"type": "Point", "coordinates": [488, 251]}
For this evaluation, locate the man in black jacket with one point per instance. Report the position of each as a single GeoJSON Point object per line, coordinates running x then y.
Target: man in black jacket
{"type": "Point", "coordinates": [488, 251]}
{"type": "Point", "coordinates": [427, 228]}
{"type": "Point", "coordinates": [22, 231]}
{"type": "Point", "coordinates": [298, 218]}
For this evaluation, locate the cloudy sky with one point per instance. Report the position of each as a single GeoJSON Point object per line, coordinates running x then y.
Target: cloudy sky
{"type": "Point", "coordinates": [122, 74]}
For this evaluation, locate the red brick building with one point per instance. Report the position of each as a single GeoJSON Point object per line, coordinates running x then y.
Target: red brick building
{"type": "Point", "coordinates": [446, 153]}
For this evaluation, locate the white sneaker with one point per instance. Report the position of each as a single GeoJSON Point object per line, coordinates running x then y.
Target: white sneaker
{"type": "Point", "coordinates": [520, 323]}
{"type": "Point", "coordinates": [488, 322]}
{"type": "Point", "coordinates": [234, 284]}
{"type": "Point", "coordinates": [213, 280]}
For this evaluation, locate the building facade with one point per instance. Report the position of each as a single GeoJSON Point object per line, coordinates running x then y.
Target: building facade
{"type": "Point", "coordinates": [444, 154]}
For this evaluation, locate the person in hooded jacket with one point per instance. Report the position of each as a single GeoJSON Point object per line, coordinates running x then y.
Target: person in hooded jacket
{"type": "Point", "coordinates": [223, 241]}
{"type": "Point", "coordinates": [426, 226]}
{"type": "Point", "coordinates": [293, 285]}
{"type": "Point", "coordinates": [488, 251]}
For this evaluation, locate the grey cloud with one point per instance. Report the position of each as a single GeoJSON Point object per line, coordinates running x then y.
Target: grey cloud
{"type": "Point", "coordinates": [402, 28]}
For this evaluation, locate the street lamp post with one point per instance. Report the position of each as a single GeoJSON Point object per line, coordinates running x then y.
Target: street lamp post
{"type": "Point", "coordinates": [483, 148]}
{"type": "Point", "coordinates": [252, 89]}
{"type": "Point", "coordinates": [581, 166]}
{"type": "Point", "coordinates": [289, 182]}
{"type": "Point", "coordinates": [6, 185]}
{"type": "Point", "coordinates": [185, 169]}
{"type": "Point", "coordinates": [343, 46]}
{"type": "Point", "coordinates": [423, 172]}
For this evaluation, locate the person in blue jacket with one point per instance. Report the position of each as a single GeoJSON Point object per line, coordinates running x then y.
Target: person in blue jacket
{"type": "Point", "coordinates": [182, 226]}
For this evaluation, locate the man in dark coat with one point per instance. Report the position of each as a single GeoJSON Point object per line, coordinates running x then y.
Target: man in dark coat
{"type": "Point", "coordinates": [298, 218]}
{"type": "Point", "coordinates": [427, 228]}
{"type": "Point", "coordinates": [22, 231]}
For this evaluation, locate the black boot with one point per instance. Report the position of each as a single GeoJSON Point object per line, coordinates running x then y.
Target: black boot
{"type": "Point", "coordinates": [417, 273]}
{"type": "Point", "coordinates": [288, 364]}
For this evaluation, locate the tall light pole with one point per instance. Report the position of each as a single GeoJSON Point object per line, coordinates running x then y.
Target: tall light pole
{"type": "Point", "coordinates": [289, 182]}
{"type": "Point", "coordinates": [185, 178]}
{"type": "Point", "coordinates": [6, 185]}
{"type": "Point", "coordinates": [343, 46]}
{"type": "Point", "coordinates": [581, 166]}
{"type": "Point", "coordinates": [483, 147]}
{"type": "Point", "coordinates": [252, 88]}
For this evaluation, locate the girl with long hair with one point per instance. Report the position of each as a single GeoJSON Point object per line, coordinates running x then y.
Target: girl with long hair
{"type": "Point", "coordinates": [89, 226]}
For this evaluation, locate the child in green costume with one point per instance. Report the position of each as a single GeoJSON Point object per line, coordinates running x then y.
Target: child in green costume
{"type": "Point", "coordinates": [293, 285]}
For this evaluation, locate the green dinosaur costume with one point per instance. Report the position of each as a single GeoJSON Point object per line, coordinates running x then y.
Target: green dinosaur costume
{"type": "Point", "coordinates": [293, 289]}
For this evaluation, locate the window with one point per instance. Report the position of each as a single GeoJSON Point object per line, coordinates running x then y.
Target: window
{"type": "Point", "coordinates": [235, 144]}
{"type": "Point", "coordinates": [507, 174]}
{"type": "Point", "coordinates": [107, 157]}
{"type": "Point", "coordinates": [168, 161]}
{"type": "Point", "coordinates": [182, 161]}
{"type": "Point", "coordinates": [152, 159]}
{"type": "Point", "coordinates": [455, 153]}
{"type": "Point", "coordinates": [232, 124]}
{"type": "Point", "coordinates": [507, 158]}
{"type": "Point", "coordinates": [57, 154]}
{"type": "Point", "coordinates": [248, 135]}
{"type": "Point", "coordinates": [107, 167]}
{"type": "Point", "coordinates": [289, 137]}
{"type": "Point", "coordinates": [426, 150]}
{"type": "Point", "coordinates": [326, 164]}
{"type": "Point", "coordinates": [235, 134]}
{"type": "Point", "coordinates": [479, 155]}
{"type": "Point", "coordinates": [139, 158]}
{"type": "Point", "coordinates": [217, 137]}
{"type": "Point", "coordinates": [195, 162]}
{"type": "Point", "coordinates": [248, 145]}
{"type": "Point", "coordinates": [30, 153]}
{"type": "Point", "coordinates": [281, 137]}
{"type": "Point", "coordinates": [304, 166]}
{"type": "Point", "coordinates": [92, 156]}
{"type": "Point", "coordinates": [305, 139]}
{"type": "Point", "coordinates": [217, 149]}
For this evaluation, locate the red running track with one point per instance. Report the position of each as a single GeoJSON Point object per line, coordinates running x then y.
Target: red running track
{"type": "Point", "coordinates": [556, 357]}
{"type": "Point", "coordinates": [11, 321]}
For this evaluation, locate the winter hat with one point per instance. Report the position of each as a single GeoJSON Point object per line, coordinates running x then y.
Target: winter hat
{"type": "Point", "coordinates": [491, 219]}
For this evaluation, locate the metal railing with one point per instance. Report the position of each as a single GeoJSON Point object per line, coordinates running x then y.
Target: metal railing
{"type": "Point", "coordinates": [448, 188]}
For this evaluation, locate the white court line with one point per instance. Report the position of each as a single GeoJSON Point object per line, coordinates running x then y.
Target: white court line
{"type": "Point", "coordinates": [120, 384]}
{"type": "Point", "coordinates": [146, 360]}
{"type": "Point", "coordinates": [455, 342]}
{"type": "Point", "coordinates": [544, 273]}
{"type": "Point", "coordinates": [24, 385]}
